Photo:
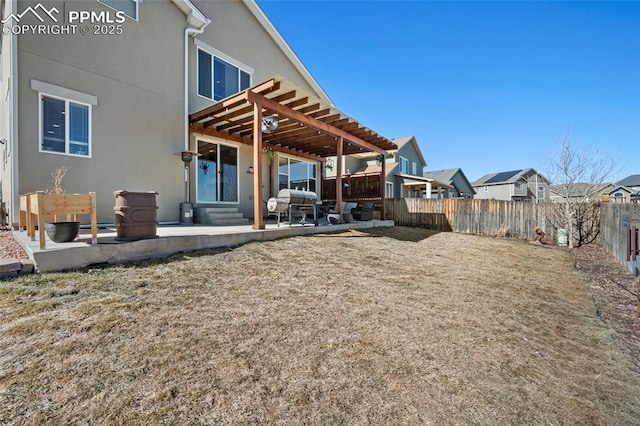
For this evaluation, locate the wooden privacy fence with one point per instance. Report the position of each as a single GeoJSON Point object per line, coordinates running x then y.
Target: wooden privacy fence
{"type": "Point", "coordinates": [514, 219]}
{"type": "Point", "coordinates": [617, 222]}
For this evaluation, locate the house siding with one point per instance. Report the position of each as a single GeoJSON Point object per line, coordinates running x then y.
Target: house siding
{"type": "Point", "coordinates": [137, 123]}
{"type": "Point", "coordinates": [236, 32]}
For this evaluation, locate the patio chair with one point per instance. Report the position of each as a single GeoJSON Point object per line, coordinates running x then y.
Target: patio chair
{"type": "Point", "coordinates": [346, 212]}
{"type": "Point", "coordinates": [363, 212]}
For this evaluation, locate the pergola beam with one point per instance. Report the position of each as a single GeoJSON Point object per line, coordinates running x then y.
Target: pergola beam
{"type": "Point", "coordinates": [311, 122]}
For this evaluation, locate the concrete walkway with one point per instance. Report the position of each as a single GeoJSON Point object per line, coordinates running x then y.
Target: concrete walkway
{"type": "Point", "coordinates": [171, 239]}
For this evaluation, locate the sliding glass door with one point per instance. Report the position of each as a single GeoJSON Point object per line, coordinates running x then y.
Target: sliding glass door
{"type": "Point", "coordinates": [217, 177]}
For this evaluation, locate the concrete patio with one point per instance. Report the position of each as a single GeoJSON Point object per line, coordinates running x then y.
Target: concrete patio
{"type": "Point", "coordinates": [171, 239]}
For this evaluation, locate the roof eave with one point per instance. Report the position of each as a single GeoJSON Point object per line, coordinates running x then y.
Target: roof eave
{"type": "Point", "coordinates": [195, 18]}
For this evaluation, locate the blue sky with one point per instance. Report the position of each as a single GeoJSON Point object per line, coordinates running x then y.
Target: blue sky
{"type": "Point", "coordinates": [485, 86]}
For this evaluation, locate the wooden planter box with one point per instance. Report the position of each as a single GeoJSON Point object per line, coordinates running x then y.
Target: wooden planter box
{"type": "Point", "coordinates": [42, 206]}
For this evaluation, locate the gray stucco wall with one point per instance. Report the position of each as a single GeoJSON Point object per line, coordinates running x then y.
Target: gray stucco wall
{"type": "Point", "coordinates": [137, 123]}
{"type": "Point", "coordinates": [236, 33]}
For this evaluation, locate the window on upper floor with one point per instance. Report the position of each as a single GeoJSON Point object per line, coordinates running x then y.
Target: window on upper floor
{"type": "Point", "coordinates": [404, 165]}
{"type": "Point", "coordinates": [541, 192]}
{"type": "Point", "coordinates": [219, 78]}
{"type": "Point", "coordinates": [414, 168]}
{"type": "Point", "coordinates": [519, 186]}
{"type": "Point", "coordinates": [129, 7]}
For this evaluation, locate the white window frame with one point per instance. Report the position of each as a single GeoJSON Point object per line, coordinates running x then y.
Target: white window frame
{"type": "Point", "coordinates": [219, 143]}
{"type": "Point", "coordinates": [215, 53]}
{"type": "Point", "coordinates": [135, 18]}
{"type": "Point", "coordinates": [414, 168]}
{"type": "Point", "coordinates": [288, 174]}
{"type": "Point", "coordinates": [388, 190]}
{"type": "Point", "coordinates": [406, 160]}
{"type": "Point", "coordinates": [68, 95]}
{"type": "Point", "coordinates": [67, 140]}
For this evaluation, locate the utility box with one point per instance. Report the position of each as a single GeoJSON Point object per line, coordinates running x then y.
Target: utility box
{"type": "Point", "coordinates": [186, 214]}
{"type": "Point", "coordinates": [136, 215]}
{"type": "Point", "coordinates": [563, 238]}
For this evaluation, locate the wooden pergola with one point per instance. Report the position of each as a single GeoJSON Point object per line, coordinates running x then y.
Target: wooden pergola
{"type": "Point", "coordinates": [308, 127]}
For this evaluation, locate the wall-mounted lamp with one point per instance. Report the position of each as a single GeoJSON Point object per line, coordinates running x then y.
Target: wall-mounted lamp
{"type": "Point", "coordinates": [329, 164]}
{"type": "Point", "coordinates": [250, 170]}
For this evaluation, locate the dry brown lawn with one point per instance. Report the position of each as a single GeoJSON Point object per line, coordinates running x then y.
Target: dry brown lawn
{"type": "Point", "coordinates": [394, 326]}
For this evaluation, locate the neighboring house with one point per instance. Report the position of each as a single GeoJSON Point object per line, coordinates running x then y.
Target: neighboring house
{"type": "Point", "coordinates": [626, 191]}
{"type": "Point", "coordinates": [116, 109]}
{"type": "Point", "coordinates": [460, 185]}
{"type": "Point", "coordinates": [579, 191]}
{"type": "Point", "coordinates": [515, 185]}
{"type": "Point", "coordinates": [631, 182]}
{"type": "Point", "coordinates": [619, 194]}
{"type": "Point", "coordinates": [403, 171]}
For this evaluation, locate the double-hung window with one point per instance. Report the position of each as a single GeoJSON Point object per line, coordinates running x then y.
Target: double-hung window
{"type": "Point", "coordinates": [219, 76]}
{"type": "Point", "coordinates": [64, 119]}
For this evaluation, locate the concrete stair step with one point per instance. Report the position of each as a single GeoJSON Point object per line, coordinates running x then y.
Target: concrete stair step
{"type": "Point", "coordinates": [219, 216]}
{"type": "Point", "coordinates": [216, 215]}
{"type": "Point", "coordinates": [229, 222]}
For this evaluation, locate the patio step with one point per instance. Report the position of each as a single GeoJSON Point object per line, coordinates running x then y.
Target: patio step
{"type": "Point", "coordinates": [219, 216]}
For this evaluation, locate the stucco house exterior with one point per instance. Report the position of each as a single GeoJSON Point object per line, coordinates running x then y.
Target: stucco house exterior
{"type": "Point", "coordinates": [118, 97]}
{"type": "Point", "coordinates": [403, 174]}
{"type": "Point", "coordinates": [460, 185]}
{"type": "Point", "coordinates": [515, 185]}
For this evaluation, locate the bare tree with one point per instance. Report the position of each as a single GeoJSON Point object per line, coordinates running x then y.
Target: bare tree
{"type": "Point", "coordinates": [579, 176]}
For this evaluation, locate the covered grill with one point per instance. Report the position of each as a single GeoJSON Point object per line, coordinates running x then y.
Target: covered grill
{"type": "Point", "coordinates": [295, 204]}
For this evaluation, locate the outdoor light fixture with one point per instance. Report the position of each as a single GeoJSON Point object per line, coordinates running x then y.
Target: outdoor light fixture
{"type": "Point", "coordinates": [329, 165]}
{"type": "Point", "coordinates": [269, 123]}
{"type": "Point", "coordinates": [250, 170]}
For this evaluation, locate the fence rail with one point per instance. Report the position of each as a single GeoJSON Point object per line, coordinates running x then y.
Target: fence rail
{"type": "Point", "coordinates": [486, 217]}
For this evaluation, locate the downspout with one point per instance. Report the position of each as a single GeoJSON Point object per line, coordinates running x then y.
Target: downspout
{"type": "Point", "coordinates": [13, 126]}
{"type": "Point", "coordinates": [189, 31]}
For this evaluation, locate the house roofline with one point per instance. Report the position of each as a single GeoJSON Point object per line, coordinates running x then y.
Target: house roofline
{"type": "Point", "coordinates": [413, 140]}
{"type": "Point", "coordinates": [284, 46]}
{"type": "Point", "coordinates": [195, 18]}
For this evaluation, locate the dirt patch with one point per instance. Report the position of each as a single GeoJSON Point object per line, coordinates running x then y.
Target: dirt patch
{"type": "Point", "coordinates": [615, 294]}
{"type": "Point", "coordinates": [355, 328]}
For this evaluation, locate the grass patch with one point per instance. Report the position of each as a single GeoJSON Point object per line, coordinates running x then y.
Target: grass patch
{"type": "Point", "coordinates": [384, 326]}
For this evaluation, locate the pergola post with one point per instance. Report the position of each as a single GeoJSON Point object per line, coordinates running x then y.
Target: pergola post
{"type": "Point", "coordinates": [383, 186]}
{"type": "Point", "coordinates": [258, 220]}
{"type": "Point", "coordinates": [339, 150]}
